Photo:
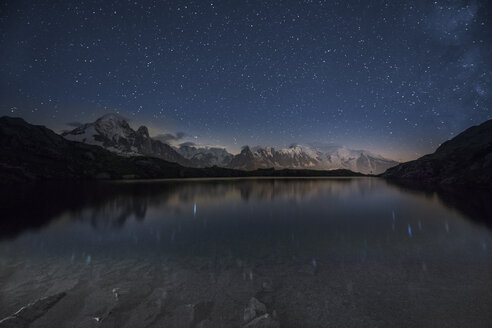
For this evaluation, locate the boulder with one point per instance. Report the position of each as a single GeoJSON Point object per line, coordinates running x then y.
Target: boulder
{"type": "Point", "coordinates": [264, 321]}
{"type": "Point", "coordinates": [31, 312]}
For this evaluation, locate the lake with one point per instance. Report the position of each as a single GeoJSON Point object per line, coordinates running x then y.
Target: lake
{"type": "Point", "coordinates": [327, 252]}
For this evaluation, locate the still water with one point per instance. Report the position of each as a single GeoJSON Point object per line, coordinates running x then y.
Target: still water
{"type": "Point", "coordinates": [336, 252]}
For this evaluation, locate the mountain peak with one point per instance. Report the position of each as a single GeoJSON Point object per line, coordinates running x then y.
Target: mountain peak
{"type": "Point", "coordinates": [112, 117]}
{"type": "Point", "coordinates": [112, 131]}
{"type": "Point", "coordinates": [245, 149]}
{"type": "Point", "coordinates": [113, 127]}
{"type": "Point", "coordinates": [143, 131]}
{"type": "Point", "coordinates": [13, 120]}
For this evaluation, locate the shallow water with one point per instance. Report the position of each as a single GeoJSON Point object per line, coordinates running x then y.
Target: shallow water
{"type": "Point", "coordinates": [334, 252]}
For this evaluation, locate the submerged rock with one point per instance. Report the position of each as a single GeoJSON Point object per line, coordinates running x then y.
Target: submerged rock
{"type": "Point", "coordinates": [267, 286]}
{"type": "Point", "coordinates": [264, 321]}
{"type": "Point", "coordinates": [254, 309]}
{"type": "Point", "coordinates": [202, 311]}
{"type": "Point", "coordinates": [193, 315]}
{"type": "Point", "coordinates": [308, 269]}
{"type": "Point", "coordinates": [27, 314]}
{"type": "Point", "coordinates": [207, 323]}
{"type": "Point", "coordinates": [256, 316]}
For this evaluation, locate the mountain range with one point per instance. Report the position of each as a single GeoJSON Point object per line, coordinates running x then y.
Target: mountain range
{"type": "Point", "coordinates": [114, 133]}
{"type": "Point", "coordinates": [303, 157]}
{"type": "Point", "coordinates": [33, 152]}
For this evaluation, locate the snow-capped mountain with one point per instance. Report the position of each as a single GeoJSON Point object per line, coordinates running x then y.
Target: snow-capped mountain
{"type": "Point", "coordinates": [205, 156]}
{"type": "Point", "coordinates": [113, 132]}
{"type": "Point", "coordinates": [356, 160]}
{"type": "Point", "coordinates": [266, 157]}
{"type": "Point", "coordinates": [305, 157]}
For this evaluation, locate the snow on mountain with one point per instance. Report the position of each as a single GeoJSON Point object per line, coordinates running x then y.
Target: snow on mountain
{"type": "Point", "coordinates": [245, 160]}
{"type": "Point", "coordinates": [110, 131]}
{"type": "Point", "coordinates": [205, 156]}
{"type": "Point", "coordinates": [113, 132]}
{"type": "Point", "coordinates": [356, 160]}
{"type": "Point", "coordinates": [293, 157]}
{"type": "Point", "coordinates": [85, 133]}
{"type": "Point", "coordinates": [307, 157]}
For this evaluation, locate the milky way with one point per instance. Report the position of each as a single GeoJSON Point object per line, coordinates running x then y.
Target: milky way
{"type": "Point", "coordinates": [396, 77]}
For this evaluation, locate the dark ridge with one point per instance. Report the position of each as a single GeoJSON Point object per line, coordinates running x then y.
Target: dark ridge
{"type": "Point", "coordinates": [465, 160]}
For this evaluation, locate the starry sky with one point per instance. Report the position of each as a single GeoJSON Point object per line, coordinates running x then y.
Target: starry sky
{"type": "Point", "coordinates": [394, 77]}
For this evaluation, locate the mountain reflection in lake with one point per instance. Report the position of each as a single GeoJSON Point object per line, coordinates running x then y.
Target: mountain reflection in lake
{"type": "Point", "coordinates": [317, 252]}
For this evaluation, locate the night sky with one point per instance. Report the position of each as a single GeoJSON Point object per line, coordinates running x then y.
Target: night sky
{"type": "Point", "coordinates": [395, 77]}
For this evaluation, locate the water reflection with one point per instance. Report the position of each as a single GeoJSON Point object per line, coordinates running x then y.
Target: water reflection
{"type": "Point", "coordinates": [474, 204]}
{"type": "Point", "coordinates": [111, 204]}
{"type": "Point", "coordinates": [316, 252]}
